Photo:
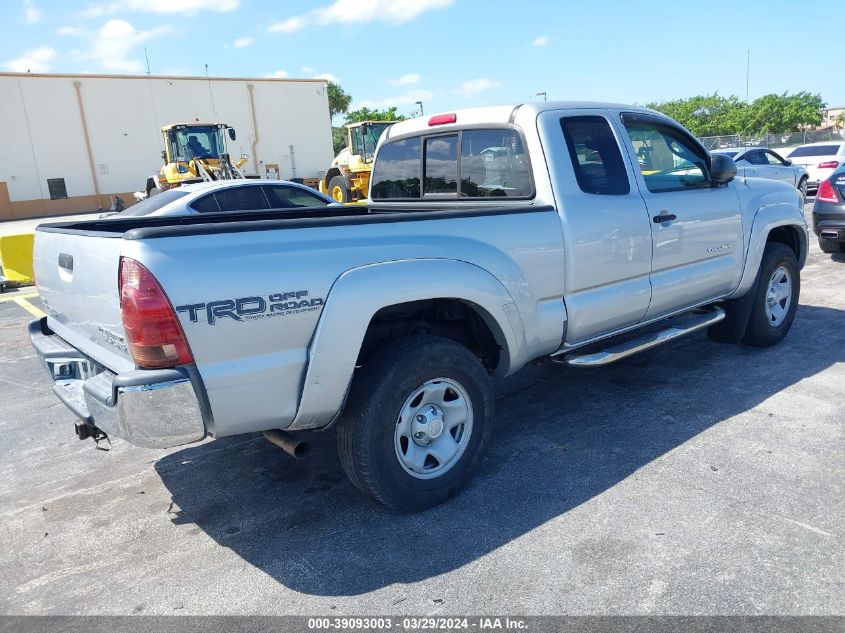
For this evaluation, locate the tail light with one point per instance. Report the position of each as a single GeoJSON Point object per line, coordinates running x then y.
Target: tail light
{"type": "Point", "coordinates": [830, 164]}
{"type": "Point", "coordinates": [155, 336]}
{"type": "Point", "coordinates": [826, 193]}
{"type": "Point", "coordinates": [441, 119]}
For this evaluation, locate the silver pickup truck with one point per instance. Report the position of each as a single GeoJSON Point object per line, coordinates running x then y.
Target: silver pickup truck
{"type": "Point", "coordinates": [495, 236]}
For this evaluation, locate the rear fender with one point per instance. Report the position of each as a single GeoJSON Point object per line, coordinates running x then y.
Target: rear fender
{"type": "Point", "coordinates": [361, 292]}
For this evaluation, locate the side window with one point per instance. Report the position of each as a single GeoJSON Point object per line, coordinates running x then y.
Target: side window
{"type": "Point", "coordinates": [441, 166]}
{"type": "Point", "coordinates": [206, 204]}
{"type": "Point", "coordinates": [756, 158]}
{"type": "Point", "coordinates": [249, 198]}
{"type": "Point", "coordinates": [774, 159]}
{"type": "Point", "coordinates": [595, 154]}
{"type": "Point", "coordinates": [668, 159]}
{"type": "Point", "coordinates": [281, 197]}
{"type": "Point", "coordinates": [396, 174]}
{"type": "Point", "coordinates": [494, 164]}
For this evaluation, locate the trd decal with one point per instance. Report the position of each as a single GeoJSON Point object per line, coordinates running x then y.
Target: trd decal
{"type": "Point", "coordinates": [251, 308]}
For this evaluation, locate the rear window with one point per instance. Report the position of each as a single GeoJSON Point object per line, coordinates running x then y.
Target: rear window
{"type": "Point", "coordinates": [814, 150]}
{"type": "Point", "coordinates": [154, 203]}
{"type": "Point", "coordinates": [468, 165]}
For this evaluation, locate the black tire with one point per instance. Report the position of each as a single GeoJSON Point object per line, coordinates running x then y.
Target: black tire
{"type": "Point", "coordinates": [802, 188]}
{"type": "Point", "coordinates": [831, 246]}
{"type": "Point", "coordinates": [379, 390]}
{"type": "Point", "coordinates": [339, 183]}
{"type": "Point", "coordinates": [760, 331]}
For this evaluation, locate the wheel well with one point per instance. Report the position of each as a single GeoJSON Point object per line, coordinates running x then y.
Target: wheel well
{"type": "Point", "coordinates": [331, 174]}
{"type": "Point", "coordinates": [786, 235]}
{"type": "Point", "coordinates": [449, 318]}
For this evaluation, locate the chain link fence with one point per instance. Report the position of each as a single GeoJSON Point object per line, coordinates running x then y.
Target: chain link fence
{"type": "Point", "coordinates": [787, 140]}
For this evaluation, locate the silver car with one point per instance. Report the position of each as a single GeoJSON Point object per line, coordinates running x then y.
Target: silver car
{"type": "Point", "coordinates": [230, 195]}
{"type": "Point", "coordinates": [761, 162]}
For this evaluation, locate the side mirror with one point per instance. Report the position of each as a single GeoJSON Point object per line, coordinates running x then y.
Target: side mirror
{"type": "Point", "coordinates": [722, 169]}
{"type": "Point", "coordinates": [787, 162]}
{"type": "Point", "coordinates": [164, 157]}
{"type": "Point", "coordinates": [232, 134]}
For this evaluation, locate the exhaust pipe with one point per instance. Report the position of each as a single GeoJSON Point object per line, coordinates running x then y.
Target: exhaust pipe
{"type": "Point", "coordinates": [297, 449]}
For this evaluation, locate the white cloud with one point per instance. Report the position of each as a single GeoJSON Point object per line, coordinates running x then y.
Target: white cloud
{"type": "Point", "coordinates": [277, 74]}
{"type": "Point", "coordinates": [307, 70]}
{"type": "Point", "coordinates": [70, 30]}
{"type": "Point", "coordinates": [406, 80]}
{"type": "Point", "coordinates": [474, 86]}
{"type": "Point", "coordinates": [288, 26]}
{"type": "Point", "coordinates": [408, 98]}
{"type": "Point", "coordinates": [243, 42]}
{"type": "Point", "coordinates": [328, 77]}
{"type": "Point", "coordinates": [541, 40]}
{"type": "Point", "coordinates": [31, 13]}
{"type": "Point", "coordinates": [360, 12]}
{"type": "Point", "coordinates": [189, 7]}
{"type": "Point", "coordinates": [113, 42]}
{"type": "Point", "coordinates": [35, 61]}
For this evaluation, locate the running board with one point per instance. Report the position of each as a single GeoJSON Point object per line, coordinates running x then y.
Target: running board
{"type": "Point", "coordinates": [681, 327]}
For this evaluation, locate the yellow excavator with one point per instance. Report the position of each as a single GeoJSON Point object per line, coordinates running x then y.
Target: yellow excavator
{"type": "Point", "coordinates": [348, 177]}
{"type": "Point", "coordinates": [194, 152]}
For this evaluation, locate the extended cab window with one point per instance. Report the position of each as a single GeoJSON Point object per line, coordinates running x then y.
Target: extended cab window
{"type": "Point", "coordinates": [396, 173]}
{"type": "Point", "coordinates": [669, 161]}
{"type": "Point", "coordinates": [595, 155]}
{"type": "Point", "coordinates": [471, 164]}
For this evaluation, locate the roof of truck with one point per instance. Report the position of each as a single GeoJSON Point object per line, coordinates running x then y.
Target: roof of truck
{"type": "Point", "coordinates": [506, 113]}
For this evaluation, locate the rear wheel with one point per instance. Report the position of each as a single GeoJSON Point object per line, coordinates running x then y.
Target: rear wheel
{"type": "Point", "coordinates": [776, 298]}
{"type": "Point", "coordinates": [802, 188]}
{"type": "Point", "coordinates": [338, 190]}
{"type": "Point", "coordinates": [831, 246]}
{"type": "Point", "coordinates": [416, 423]}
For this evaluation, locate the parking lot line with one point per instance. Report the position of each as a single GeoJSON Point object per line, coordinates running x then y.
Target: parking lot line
{"type": "Point", "coordinates": [29, 295]}
{"type": "Point", "coordinates": [26, 305]}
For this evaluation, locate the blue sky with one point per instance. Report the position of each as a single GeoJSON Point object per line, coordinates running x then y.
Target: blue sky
{"type": "Point", "coordinates": [447, 53]}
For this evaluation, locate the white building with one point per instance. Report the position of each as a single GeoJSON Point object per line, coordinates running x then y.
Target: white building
{"type": "Point", "coordinates": [73, 142]}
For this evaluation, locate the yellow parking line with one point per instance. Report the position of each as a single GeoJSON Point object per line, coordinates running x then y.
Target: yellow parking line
{"type": "Point", "coordinates": [26, 305]}
{"type": "Point", "coordinates": [30, 295]}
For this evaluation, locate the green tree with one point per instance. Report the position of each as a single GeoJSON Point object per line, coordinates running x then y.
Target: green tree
{"type": "Point", "coordinates": [786, 113]}
{"type": "Point", "coordinates": [339, 100]}
{"type": "Point", "coordinates": [365, 114]}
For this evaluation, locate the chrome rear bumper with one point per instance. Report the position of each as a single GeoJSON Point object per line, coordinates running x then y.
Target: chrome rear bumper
{"type": "Point", "coordinates": [150, 408]}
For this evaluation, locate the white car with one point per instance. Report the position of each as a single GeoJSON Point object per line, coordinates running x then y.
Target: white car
{"type": "Point", "coordinates": [761, 162]}
{"type": "Point", "coordinates": [819, 159]}
{"type": "Point", "coordinates": [230, 195]}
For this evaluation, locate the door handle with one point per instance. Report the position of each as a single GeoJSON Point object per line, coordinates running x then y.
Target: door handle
{"type": "Point", "coordinates": [664, 217]}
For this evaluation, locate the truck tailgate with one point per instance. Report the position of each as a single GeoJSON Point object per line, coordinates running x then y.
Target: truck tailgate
{"type": "Point", "coordinates": [77, 277]}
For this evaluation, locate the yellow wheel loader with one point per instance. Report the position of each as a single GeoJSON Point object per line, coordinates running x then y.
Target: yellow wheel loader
{"type": "Point", "coordinates": [194, 152]}
{"type": "Point", "coordinates": [348, 177]}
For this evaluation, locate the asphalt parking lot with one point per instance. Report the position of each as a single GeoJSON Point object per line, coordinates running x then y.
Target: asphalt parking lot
{"type": "Point", "coordinates": [694, 479]}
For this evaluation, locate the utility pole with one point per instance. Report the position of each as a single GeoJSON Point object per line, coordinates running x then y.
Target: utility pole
{"type": "Point", "coordinates": [419, 103]}
{"type": "Point", "coordinates": [147, 57]}
{"type": "Point", "coordinates": [747, 71]}
{"type": "Point", "coordinates": [541, 94]}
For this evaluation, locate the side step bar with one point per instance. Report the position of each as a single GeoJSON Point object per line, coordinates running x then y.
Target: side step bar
{"type": "Point", "coordinates": [681, 326]}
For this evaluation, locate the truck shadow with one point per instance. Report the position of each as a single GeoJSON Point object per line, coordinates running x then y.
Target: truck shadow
{"type": "Point", "coordinates": [562, 436]}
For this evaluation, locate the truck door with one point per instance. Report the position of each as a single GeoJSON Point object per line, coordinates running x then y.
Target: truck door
{"type": "Point", "coordinates": [606, 232]}
{"type": "Point", "coordinates": [696, 227]}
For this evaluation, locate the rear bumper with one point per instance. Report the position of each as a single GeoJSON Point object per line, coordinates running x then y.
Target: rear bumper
{"type": "Point", "coordinates": [150, 408]}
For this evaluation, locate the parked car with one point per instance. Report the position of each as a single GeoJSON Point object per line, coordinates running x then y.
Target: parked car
{"type": "Point", "coordinates": [229, 195]}
{"type": "Point", "coordinates": [494, 236]}
{"type": "Point", "coordinates": [819, 159]}
{"type": "Point", "coordinates": [766, 163]}
{"type": "Point", "coordinates": [829, 213]}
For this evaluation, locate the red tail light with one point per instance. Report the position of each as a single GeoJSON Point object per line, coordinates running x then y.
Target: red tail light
{"type": "Point", "coordinates": [153, 332]}
{"type": "Point", "coordinates": [440, 119]}
{"type": "Point", "coordinates": [830, 164]}
{"type": "Point", "coordinates": [826, 193]}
